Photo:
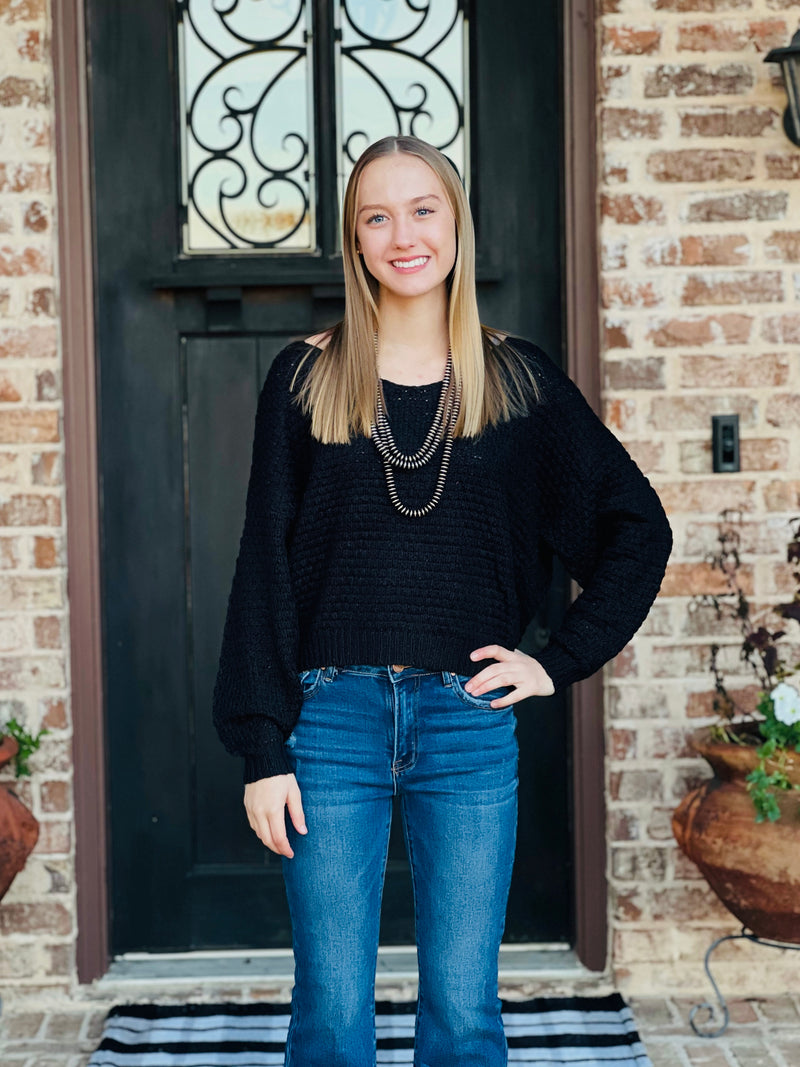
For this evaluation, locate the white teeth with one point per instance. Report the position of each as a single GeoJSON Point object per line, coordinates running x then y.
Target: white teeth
{"type": "Point", "coordinates": [409, 263]}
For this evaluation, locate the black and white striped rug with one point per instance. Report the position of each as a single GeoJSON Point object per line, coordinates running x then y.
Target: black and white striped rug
{"type": "Point", "coordinates": [578, 1031]}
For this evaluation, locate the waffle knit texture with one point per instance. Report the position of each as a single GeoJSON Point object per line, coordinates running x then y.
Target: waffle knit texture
{"type": "Point", "coordinates": [329, 573]}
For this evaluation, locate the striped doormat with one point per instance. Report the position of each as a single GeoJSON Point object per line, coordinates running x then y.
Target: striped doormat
{"type": "Point", "coordinates": [579, 1031]}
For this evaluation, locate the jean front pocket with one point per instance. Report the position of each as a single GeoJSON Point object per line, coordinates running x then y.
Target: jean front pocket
{"type": "Point", "coordinates": [310, 680]}
{"type": "Point", "coordinates": [484, 701]}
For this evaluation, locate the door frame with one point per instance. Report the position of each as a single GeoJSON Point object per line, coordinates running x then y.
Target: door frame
{"type": "Point", "coordinates": [78, 345]}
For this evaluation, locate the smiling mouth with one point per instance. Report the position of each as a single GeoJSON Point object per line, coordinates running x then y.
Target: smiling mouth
{"type": "Point", "coordinates": [410, 264]}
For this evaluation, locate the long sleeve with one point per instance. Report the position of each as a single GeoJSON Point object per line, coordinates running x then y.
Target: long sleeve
{"type": "Point", "coordinates": [257, 695]}
{"type": "Point", "coordinates": [604, 520]}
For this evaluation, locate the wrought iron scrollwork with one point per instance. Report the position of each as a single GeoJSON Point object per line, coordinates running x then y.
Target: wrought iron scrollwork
{"type": "Point", "coordinates": [245, 69]}
{"type": "Point", "coordinates": [404, 71]}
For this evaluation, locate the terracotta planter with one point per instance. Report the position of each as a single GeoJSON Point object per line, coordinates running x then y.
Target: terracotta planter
{"type": "Point", "coordinates": [754, 868]}
{"type": "Point", "coordinates": [19, 830]}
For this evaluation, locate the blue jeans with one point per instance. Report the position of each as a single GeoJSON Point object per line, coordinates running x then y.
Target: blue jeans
{"type": "Point", "coordinates": [365, 734]}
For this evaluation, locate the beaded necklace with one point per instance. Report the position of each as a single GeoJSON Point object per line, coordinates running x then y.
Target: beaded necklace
{"type": "Point", "coordinates": [442, 427]}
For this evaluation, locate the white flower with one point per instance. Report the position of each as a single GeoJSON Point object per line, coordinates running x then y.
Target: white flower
{"type": "Point", "coordinates": [786, 702]}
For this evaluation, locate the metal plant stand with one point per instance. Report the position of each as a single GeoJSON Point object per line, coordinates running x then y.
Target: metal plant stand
{"type": "Point", "coordinates": [711, 1009]}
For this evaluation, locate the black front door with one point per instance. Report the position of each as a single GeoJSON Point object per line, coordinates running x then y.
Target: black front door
{"type": "Point", "coordinates": [202, 276]}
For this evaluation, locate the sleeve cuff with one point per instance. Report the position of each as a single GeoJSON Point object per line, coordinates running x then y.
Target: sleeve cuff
{"type": "Point", "coordinates": [266, 764]}
{"type": "Point", "coordinates": [560, 665]}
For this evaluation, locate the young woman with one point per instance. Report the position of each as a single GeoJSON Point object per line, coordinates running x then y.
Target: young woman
{"type": "Point", "coordinates": [413, 474]}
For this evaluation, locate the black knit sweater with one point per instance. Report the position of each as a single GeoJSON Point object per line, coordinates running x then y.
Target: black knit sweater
{"type": "Point", "coordinates": [330, 573]}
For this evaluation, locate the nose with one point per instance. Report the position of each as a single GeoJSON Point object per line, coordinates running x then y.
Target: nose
{"type": "Point", "coordinates": [402, 233]}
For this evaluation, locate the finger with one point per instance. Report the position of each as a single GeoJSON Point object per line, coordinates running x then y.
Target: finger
{"type": "Point", "coordinates": [491, 652]}
{"type": "Point", "coordinates": [277, 834]}
{"type": "Point", "coordinates": [295, 807]}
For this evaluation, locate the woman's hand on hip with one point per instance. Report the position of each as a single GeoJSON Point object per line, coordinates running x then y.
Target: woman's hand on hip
{"type": "Point", "coordinates": [515, 668]}
{"type": "Point", "coordinates": [265, 801]}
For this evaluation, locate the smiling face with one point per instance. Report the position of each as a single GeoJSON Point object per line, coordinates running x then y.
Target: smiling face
{"type": "Point", "coordinates": [405, 227]}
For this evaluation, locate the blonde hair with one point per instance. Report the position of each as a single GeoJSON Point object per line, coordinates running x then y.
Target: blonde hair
{"type": "Point", "coordinates": [339, 389]}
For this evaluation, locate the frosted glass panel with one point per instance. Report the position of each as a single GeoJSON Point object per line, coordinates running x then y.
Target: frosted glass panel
{"type": "Point", "coordinates": [247, 150]}
{"type": "Point", "coordinates": [402, 69]}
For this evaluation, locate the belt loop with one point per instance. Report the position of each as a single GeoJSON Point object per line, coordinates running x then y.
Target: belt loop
{"type": "Point", "coordinates": [329, 673]}
{"type": "Point", "coordinates": [447, 678]}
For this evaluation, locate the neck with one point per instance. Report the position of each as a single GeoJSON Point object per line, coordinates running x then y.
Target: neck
{"type": "Point", "coordinates": [413, 337]}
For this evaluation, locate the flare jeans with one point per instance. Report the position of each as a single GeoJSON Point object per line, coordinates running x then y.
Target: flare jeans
{"type": "Point", "coordinates": [364, 735]}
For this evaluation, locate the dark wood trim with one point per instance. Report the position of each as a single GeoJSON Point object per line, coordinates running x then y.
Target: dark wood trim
{"type": "Point", "coordinates": [582, 332]}
{"type": "Point", "coordinates": [80, 431]}
{"type": "Point", "coordinates": [80, 438]}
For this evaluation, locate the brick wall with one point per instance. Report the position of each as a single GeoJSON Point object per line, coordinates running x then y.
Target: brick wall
{"type": "Point", "coordinates": [700, 229]}
{"type": "Point", "coordinates": [37, 915]}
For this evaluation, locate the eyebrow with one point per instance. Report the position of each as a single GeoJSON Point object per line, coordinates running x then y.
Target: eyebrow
{"type": "Point", "coordinates": [414, 200]}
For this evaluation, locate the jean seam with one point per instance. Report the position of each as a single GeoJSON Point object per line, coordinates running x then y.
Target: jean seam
{"type": "Point", "coordinates": [412, 865]}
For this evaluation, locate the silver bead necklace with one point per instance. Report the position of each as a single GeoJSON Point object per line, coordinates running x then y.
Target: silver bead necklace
{"type": "Point", "coordinates": [442, 427]}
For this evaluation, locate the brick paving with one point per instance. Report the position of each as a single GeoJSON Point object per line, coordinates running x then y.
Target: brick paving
{"type": "Point", "coordinates": [762, 1033]}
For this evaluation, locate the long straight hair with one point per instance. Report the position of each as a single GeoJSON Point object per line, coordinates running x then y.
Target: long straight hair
{"type": "Point", "coordinates": [340, 387]}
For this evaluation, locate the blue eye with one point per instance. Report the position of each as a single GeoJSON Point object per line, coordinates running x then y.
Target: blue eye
{"type": "Point", "coordinates": [428, 210]}
{"type": "Point", "coordinates": [373, 217]}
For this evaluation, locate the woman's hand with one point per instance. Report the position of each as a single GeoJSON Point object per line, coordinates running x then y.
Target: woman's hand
{"type": "Point", "coordinates": [526, 674]}
{"type": "Point", "coordinates": [265, 801]}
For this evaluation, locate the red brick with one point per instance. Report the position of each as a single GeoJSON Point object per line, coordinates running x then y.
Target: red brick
{"type": "Point", "coordinates": [647, 455]}
{"type": "Point", "coordinates": [41, 302]}
{"type": "Point", "coordinates": [35, 917]}
{"type": "Point", "coordinates": [621, 744]}
{"type": "Point", "coordinates": [783, 246]}
{"type": "Point", "coordinates": [636, 702]}
{"type": "Point", "coordinates": [21, 92]}
{"type": "Point", "coordinates": [687, 779]}
{"type": "Point", "coordinates": [10, 553]}
{"type": "Point", "coordinates": [614, 254]}
{"type": "Point", "coordinates": [37, 218]}
{"type": "Point", "coordinates": [700, 5]}
{"type": "Point", "coordinates": [48, 385]}
{"type": "Point", "coordinates": [692, 579]}
{"type": "Point", "coordinates": [757, 537]}
{"type": "Point", "coordinates": [668, 742]}
{"type": "Point", "coordinates": [696, 79]}
{"type": "Point", "coordinates": [636, 785]}
{"type": "Point", "coordinates": [56, 795]}
{"type": "Point", "coordinates": [623, 825]}
{"type": "Point", "coordinates": [735, 207]}
{"type": "Point", "coordinates": [6, 221]}
{"type": "Point", "coordinates": [647, 373]}
{"type": "Point", "coordinates": [25, 425]}
{"type": "Point", "coordinates": [47, 632]}
{"type": "Point", "coordinates": [36, 342]}
{"type": "Point", "coordinates": [615, 81]}
{"type": "Point", "coordinates": [54, 755]}
{"type": "Point", "coordinates": [630, 208]}
{"type": "Point", "coordinates": [620, 414]}
{"type": "Point", "coordinates": [659, 824]}
{"type": "Point", "coordinates": [47, 468]}
{"type": "Point", "coordinates": [17, 262]}
{"type": "Point", "coordinates": [729, 328]}
{"type": "Point", "coordinates": [681, 904]}
{"type": "Point", "coordinates": [44, 552]}
{"type": "Point", "coordinates": [701, 705]}
{"type": "Point", "coordinates": [631, 124]}
{"type": "Point", "coordinates": [784, 410]}
{"type": "Point", "coordinates": [36, 131]}
{"type": "Point", "coordinates": [616, 335]}
{"type": "Point", "coordinates": [639, 864]}
{"type": "Point", "coordinates": [627, 906]}
{"type": "Point", "coordinates": [53, 713]}
{"type": "Point", "coordinates": [624, 293]}
{"type": "Point", "coordinates": [614, 170]}
{"type": "Point", "coordinates": [725, 372]}
{"type": "Point", "coordinates": [701, 165]}
{"type": "Point", "coordinates": [707, 496]}
{"type": "Point", "coordinates": [22, 672]}
{"type": "Point", "coordinates": [29, 45]}
{"type": "Point", "coordinates": [727, 37]}
{"type": "Point", "coordinates": [60, 962]}
{"type": "Point", "coordinates": [25, 177]}
{"type": "Point", "coordinates": [631, 40]}
{"type": "Point", "coordinates": [766, 454]}
{"type": "Point", "coordinates": [694, 413]}
{"type": "Point", "coordinates": [696, 251]}
{"type": "Point", "coordinates": [733, 287]}
{"type": "Point", "coordinates": [782, 329]}
{"type": "Point", "coordinates": [624, 665]}
{"type": "Point", "coordinates": [719, 122]}
{"type": "Point", "coordinates": [30, 509]}
{"type": "Point", "coordinates": [783, 167]}
{"type": "Point", "coordinates": [22, 10]}
{"type": "Point", "coordinates": [782, 495]}
{"type": "Point", "coordinates": [8, 391]}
